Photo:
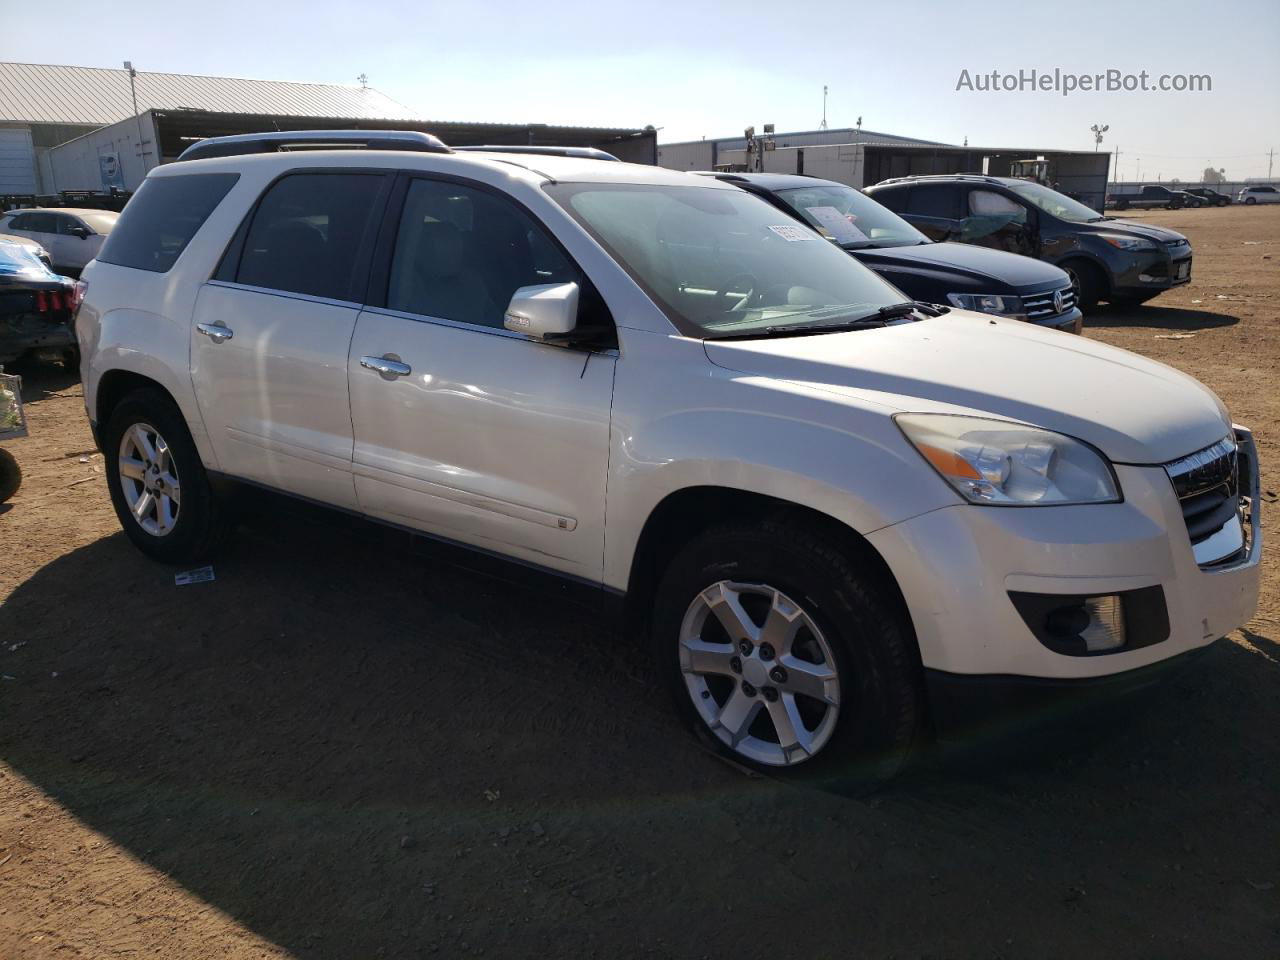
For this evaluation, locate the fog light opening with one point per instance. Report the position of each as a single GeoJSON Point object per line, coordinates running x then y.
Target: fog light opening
{"type": "Point", "coordinates": [1105, 630]}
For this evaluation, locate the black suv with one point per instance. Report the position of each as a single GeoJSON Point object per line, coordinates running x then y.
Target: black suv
{"type": "Point", "coordinates": [1121, 261]}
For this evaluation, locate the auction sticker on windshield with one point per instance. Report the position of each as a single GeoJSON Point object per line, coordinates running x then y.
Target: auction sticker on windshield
{"type": "Point", "coordinates": [792, 234]}
{"type": "Point", "coordinates": [837, 224]}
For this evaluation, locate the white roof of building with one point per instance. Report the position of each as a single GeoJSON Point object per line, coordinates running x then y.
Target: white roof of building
{"type": "Point", "coordinates": [43, 93]}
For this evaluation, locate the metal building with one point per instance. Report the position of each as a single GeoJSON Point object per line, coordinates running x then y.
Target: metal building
{"type": "Point", "coordinates": [76, 128]}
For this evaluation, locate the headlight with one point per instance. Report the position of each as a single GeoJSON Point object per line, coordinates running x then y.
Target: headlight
{"type": "Point", "coordinates": [1004, 463]}
{"type": "Point", "coordinates": [1124, 242]}
{"type": "Point", "coordinates": [987, 303]}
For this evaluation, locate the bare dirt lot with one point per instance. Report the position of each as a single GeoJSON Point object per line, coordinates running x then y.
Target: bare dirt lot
{"type": "Point", "coordinates": [341, 749]}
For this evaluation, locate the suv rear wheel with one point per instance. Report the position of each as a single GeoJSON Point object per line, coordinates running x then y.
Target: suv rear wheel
{"type": "Point", "coordinates": [787, 655]}
{"type": "Point", "coordinates": [158, 485]}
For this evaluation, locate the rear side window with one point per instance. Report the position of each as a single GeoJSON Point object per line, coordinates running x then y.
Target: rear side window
{"type": "Point", "coordinates": [308, 233]}
{"type": "Point", "coordinates": [163, 216]}
{"type": "Point", "coordinates": [934, 200]}
{"type": "Point", "coordinates": [894, 199]}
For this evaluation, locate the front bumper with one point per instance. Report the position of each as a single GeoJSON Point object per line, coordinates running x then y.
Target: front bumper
{"type": "Point", "coordinates": [1154, 270]}
{"type": "Point", "coordinates": [957, 567]}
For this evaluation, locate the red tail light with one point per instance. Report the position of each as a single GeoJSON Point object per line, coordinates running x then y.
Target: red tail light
{"type": "Point", "coordinates": [42, 302]}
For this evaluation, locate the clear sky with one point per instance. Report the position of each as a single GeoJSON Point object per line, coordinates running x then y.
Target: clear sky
{"type": "Point", "coordinates": [699, 68]}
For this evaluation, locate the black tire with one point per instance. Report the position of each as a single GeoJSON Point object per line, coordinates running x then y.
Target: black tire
{"type": "Point", "coordinates": [1250, 201]}
{"type": "Point", "coordinates": [882, 706]}
{"type": "Point", "coordinates": [200, 524]}
{"type": "Point", "coordinates": [10, 475]}
{"type": "Point", "coordinates": [1122, 204]}
{"type": "Point", "coordinates": [1088, 282]}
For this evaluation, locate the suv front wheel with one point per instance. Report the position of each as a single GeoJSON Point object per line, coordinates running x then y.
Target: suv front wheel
{"type": "Point", "coordinates": [788, 655]}
{"type": "Point", "coordinates": [158, 485]}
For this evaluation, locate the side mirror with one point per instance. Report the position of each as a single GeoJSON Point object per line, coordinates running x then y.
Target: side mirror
{"type": "Point", "coordinates": [546, 311]}
{"type": "Point", "coordinates": [81, 232]}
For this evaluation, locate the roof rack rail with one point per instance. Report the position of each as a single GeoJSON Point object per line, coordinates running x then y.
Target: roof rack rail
{"type": "Point", "coordinates": [244, 143]}
{"type": "Point", "coordinates": [582, 153]}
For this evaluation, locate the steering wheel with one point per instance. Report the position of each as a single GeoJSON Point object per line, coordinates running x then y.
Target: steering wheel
{"type": "Point", "coordinates": [726, 289]}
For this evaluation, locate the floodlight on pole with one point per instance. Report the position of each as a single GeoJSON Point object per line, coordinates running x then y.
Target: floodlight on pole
{"type": "Point", "coordinates": [1098, 131]}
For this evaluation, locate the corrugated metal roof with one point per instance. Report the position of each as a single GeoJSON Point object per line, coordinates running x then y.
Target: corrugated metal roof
{"type": "Point", "coordinates": [835, 135]}
{"type": "Point", "coordinates": [42, 93]}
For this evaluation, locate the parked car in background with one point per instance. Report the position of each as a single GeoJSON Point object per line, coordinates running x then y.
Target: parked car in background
{"type": "Point", "coordinates": [1117, 260]}
{"type": "Point", "coordinates": [72, 236]}
{"type": "Point", "coordinates": [1209, 197]}
{"type": "Point", "coordinates": [35, 307]}
{"type": "Point", "coordinates": [954, 274]}
{"type": "Point", "coordinates": [837, 518]}
{"type": "Point", "coordinates": [40, 252]}
{"type": "Point", "coordinates": [1149, 197]}
{"type": "Point", "coordinates": [1262, 194]}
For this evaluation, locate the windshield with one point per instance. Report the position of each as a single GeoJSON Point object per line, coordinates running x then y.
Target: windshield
{"type": "Point", "coordinates": [1054, 203]}
{"type": "Point", "coordinates": [849, 218]}
{"type": "Point", "coordinates": [100, 222]}
{"type": "Point", "coordinates": [722, 262]}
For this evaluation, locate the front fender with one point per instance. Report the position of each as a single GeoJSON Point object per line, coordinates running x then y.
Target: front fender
{"type": "Point", "coordinates": [683, 423]}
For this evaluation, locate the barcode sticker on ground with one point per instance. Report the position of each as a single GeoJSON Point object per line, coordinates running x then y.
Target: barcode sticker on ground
{"type": "Point", "coordinates": [201, 575]}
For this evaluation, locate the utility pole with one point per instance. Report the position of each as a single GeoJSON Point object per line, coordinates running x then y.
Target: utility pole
{"type": "Point", "coordinates": [823, 125]}
{"type": "Point", "coordinates": [1271, 157]}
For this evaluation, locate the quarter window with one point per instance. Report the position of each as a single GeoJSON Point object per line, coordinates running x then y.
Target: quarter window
{"type": "Point", "coordinates": [461, 253]}
{"type": "Point", "coordinates": [933, 200]}
{"type": "Point", "coordinates": [162, 217]}
{"type": "Point", "coordinates": [308, 233]}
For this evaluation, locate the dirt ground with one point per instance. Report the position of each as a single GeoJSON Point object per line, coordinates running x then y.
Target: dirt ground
{"type": "Point", "coordinates": [343, 749]}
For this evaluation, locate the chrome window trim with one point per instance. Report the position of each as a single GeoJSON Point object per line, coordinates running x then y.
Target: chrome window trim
{"type": "Point", "coordinates": [475, 328]}
{"type": "Point", "coordinates": [287, 294]}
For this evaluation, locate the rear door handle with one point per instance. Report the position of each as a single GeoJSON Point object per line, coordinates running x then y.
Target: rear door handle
{"type": "Point", "coordinates": [389, 366]}
{"type": "Point", "coordinates": [216, 332]}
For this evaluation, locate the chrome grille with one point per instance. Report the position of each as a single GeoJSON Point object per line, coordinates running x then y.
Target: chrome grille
{"type": "Point", "coordinates": [1041, 304]}
{"type": "Point", "coordinates": [1207, 484]}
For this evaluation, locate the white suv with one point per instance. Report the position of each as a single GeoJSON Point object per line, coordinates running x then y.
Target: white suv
{"type": "Point", "coordinates": [841, 518]}
{"type": "Point", "coordinates": [1258, 195]}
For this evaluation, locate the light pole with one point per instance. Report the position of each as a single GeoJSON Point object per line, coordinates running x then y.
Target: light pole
{"type": "Point", "coordinates": [1098, 131]}
{"type": "Point", "coordinates": [133, 93]}
{"type": "Point", "coordinates": [823, 125]}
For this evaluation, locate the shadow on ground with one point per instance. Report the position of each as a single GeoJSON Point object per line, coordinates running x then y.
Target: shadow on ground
{"type": "Point", "coordinates": [1156, 317]}
{"type": "Point", "coordinates": [353, 751]}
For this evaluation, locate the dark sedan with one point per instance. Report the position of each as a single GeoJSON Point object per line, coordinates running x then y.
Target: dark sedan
{"type": "Point", "coordinates": [35, 307]}
{"type": "Point", "coordinates": [971, 278]}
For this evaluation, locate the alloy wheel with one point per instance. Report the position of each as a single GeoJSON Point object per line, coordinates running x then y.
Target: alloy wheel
{"type": "Point", "coordinates": [760, 673]}
{"type": "Point", "coordinates": [149, 479]}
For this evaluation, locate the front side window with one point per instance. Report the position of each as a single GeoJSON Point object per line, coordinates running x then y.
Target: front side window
{"type": "Point", "coordinates": [461, 253]}
{"type": "Point", "coordinates": [849, 218]}
{"type": "Point", "coordinates": [308, 233]}
{"type": "Point", "coordinates": [67, 226]}
{"type": "Point", "coordinates": [723, 262]}
{"type": "Point", "coordinates": [161, 218]}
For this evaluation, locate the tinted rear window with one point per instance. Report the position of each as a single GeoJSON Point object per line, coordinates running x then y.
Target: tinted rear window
{"type": "Point", "coordinates": [163, 216]}
{"type": "Point", "coordinates": [307, 233]}
{"type": "Point", "coordinates": [934, 200]}
{"type": "Point", "coordinates": [895, 198]}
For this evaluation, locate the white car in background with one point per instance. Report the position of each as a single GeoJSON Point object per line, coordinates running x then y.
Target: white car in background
{"type": "Point", "coordinates": [840, 517]}
{"type": "Point", "coordinates": [1258, 195]}
{"type": "Point", "coordinates": [72, 236]}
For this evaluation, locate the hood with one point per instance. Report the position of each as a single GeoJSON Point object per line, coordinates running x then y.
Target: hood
{"type": "Point", "coordinates": [998, 269]}
{"type": "Point", "coordinates": [1132, 409]}
{"type": "Point", "coordinates": [1133, 228]}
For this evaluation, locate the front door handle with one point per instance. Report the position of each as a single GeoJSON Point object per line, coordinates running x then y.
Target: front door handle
{"type": "Point", "coordinates": [389, 366]}
{"type": "Point", "coordinates": [216, 332]}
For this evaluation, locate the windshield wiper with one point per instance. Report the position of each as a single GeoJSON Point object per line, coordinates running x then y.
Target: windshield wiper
{"type": "Point", "coordinates": [866, 321]}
